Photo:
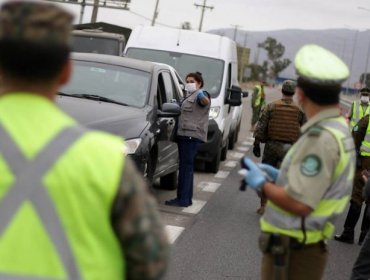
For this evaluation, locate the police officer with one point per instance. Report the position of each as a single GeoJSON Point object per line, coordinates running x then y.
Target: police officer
{"type": "Point", "coordinates": [312, 187]}
{"type": "Point", "coordinates": [359, 108]}
{"type": "Point", "coordinates": [361, 135]}
{"type": "Point", "coordinates": [278, 127]}
{"type": "Point", "coordinates": [257, 103]}
{"type": "Point", "coordinates": [72, 205]}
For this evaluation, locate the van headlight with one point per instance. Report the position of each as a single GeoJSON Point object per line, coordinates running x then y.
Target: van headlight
{"type": "Point", "coordinates": [131, 146]}
{"type": "Point", "coordinates": [214, 112]}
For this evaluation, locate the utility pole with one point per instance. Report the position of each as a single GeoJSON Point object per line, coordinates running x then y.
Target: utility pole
{"type": "Point", "coordinates": [204, 7]}
{"type": "Point", "coordinates": [235, 30]}
{"type": "Point", "coordinates": [155, 12]}
{"type": "Point", "coordinates": [83, 5]}
{"type": "Point", "coordinates": [94, 14]}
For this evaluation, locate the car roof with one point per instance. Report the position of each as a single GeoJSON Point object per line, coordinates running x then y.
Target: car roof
{"type": "Point", "coordinates": [97, 33]}
{"type": "Point", "coordinates": [146, 66]}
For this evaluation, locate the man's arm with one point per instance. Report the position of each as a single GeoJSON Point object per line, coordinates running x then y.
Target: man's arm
{"type": "Point", "coordinates": [260, 134]}
{"type": "Point", "coordinates": [136, 221]}
{"type": "Point", "coordinates": [359, 131]}
{"type": "Point", "coordinates": [279, 196]}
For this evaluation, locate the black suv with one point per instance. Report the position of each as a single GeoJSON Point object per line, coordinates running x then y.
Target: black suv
{"type": "Point", "coordinates": [135, 99]}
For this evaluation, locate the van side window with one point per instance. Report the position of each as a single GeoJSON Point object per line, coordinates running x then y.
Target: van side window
{"type": "Point", "coordinates": [169, 86]}
{"type": "Point", "coordinates": [161, 92]}
{"type": "Point", "coordinates": [228, 84]}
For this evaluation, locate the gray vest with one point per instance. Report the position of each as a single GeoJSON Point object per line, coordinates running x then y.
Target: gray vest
{"type": "Point", "coordinates": [193, 121]}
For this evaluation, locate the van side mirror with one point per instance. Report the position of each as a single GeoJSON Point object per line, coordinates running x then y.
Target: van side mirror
{"type": "Point", "coordinates": [235, 96]}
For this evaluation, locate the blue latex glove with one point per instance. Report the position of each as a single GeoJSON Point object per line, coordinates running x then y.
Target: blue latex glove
{"type": "Point", "coordinates": [270, 170]}
{"type": "Point", "coordinates": [254, 177]}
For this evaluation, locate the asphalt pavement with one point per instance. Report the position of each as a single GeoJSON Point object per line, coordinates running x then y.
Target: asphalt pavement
{"type": "Point", "coordinates": [218, 240]}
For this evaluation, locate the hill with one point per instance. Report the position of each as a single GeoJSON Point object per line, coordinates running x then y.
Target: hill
{"type": "Point", "coordinates": [340, 41]}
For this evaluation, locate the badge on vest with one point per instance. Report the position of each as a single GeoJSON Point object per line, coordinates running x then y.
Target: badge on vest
{"type": "Point", "coordinates": [311, 165]}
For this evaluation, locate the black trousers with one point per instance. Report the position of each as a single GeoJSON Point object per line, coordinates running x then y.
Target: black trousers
{"type": "Point", "coordinates": [361, 268]}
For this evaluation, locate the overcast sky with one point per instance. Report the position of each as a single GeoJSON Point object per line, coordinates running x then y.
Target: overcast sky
{"type": "Point", "coordinates": [254, 15]}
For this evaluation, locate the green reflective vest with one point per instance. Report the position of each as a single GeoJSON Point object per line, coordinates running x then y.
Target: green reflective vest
{"type": "Point", "coordinates": [365, 144]}
{"type": "Point", "coordinates": [260, 98]}
{"type": "Point", "coordinates": [59, 224]}
{"type": "Point", "coordinates": [358, 113]}
{"type": "Point", "coordinates": [320, 223]}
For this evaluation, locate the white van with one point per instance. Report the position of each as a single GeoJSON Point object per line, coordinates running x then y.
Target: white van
{"type": "Point", "coordinates": [212, 55]}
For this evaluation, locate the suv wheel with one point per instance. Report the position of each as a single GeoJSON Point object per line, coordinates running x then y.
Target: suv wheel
{"type": "Point", "coordinates": [224, 150]}
{"type": "Point", "coordinates": [214, 165]}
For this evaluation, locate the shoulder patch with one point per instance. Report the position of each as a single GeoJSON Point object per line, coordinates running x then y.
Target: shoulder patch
{"type": "Point", "coordinates": [314, 131]}
{"type": "Point", "coordinates": [311, 165]}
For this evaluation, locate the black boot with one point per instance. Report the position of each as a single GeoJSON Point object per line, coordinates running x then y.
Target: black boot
{"type": "Point", "coordinates": [353, 215]}
{"type": "Point", "coordinates": [347, 236]}
{"type": "Point", "coordinates": [364, 226]}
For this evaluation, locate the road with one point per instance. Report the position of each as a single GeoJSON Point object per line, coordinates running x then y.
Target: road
{"type": "Point", "coordinates": [216, 238]}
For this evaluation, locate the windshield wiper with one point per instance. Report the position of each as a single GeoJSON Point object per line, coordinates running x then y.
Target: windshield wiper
{"type": "Point", "coordinates": [94, 97]}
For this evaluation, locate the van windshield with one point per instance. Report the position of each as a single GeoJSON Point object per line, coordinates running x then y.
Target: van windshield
{"type": "Point", "coordinates": [90, 44]}
{"type": "Point", "coordinates": [211, 68]}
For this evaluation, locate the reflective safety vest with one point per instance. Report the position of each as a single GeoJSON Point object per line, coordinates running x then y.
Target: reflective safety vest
{"type": "Point", "coordinates": [55, 204]}
{"type": "Point", "coordinates": [260, 99]}
{"type": "Point", "coordinates": [365, 144]}
{"type": "Point", "coordinates": [320, 223]}
{"type": "Point", "coordinates": [358, 113]}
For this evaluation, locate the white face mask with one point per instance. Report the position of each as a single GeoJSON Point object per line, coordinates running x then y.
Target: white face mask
{"type": "Point", "coordinates": [364, 99]}
{"type": "Point", "coordinates": [190, 87]}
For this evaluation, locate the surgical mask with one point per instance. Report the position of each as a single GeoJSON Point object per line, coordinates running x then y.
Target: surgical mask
{"type": "Point", "coordinates": [364, 99]}
{"type": "Point", "coordinates": [190, 87]}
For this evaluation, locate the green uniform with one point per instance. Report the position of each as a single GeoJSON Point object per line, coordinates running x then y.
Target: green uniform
{"type": "Point", "coordinates": [318, 172]}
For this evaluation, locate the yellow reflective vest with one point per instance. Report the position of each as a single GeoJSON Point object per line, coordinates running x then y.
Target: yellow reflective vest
{"type": "Point", "coordinates": [56, 208]}
{"type": "Point", "coordinates": [358, 113]}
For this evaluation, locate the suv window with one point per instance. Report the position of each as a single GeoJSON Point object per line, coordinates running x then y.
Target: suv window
{"type": "Point", "coordinates": [169, 87]}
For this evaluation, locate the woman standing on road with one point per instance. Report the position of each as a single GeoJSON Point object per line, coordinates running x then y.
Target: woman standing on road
{"type": "Point", "coordinates": [192, 130]}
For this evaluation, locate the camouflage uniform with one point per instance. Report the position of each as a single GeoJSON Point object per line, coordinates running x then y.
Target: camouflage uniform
{"type": "Point", "coordinates": [134, 215]}
{"type": "Point", "coordinates": [278, 130]}
{"type": "Point", "coordinates": [357, 199]}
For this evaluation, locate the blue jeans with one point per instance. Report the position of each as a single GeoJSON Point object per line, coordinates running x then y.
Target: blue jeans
{"type": "Point", "coordinates": [188, 148]}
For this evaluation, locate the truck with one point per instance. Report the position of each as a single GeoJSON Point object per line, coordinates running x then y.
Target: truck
{"type": "Point", "coordinates": [100, 38]}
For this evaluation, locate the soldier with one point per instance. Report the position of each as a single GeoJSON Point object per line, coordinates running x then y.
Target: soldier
{"type": "Point", "coordinates": [312, 187]}
{"type": "Point", "coordinates": [359, 109]}
{"type": "Point", "coordinates": [361, 135]}
{"type": "Point", "coordinates": [278, 127]}
{"type": "Point", "coordinates": [257, 103]}
{"type": "Point", "coordinates": [72, 204]}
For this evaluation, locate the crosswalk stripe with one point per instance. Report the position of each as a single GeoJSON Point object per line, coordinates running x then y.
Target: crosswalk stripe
{"type": "Point", "coordinates": [222, 174]}
{"type": "Point", "coordinates": [231, 163]}
{"type": "Point", "coordinates": [195, 208]}
{"type": "Point", "coordinates": [209, 186]}
{"type": "Point", "coordinates": [173, 232]}
{"type": "Point", "coordinates": [243, 149]}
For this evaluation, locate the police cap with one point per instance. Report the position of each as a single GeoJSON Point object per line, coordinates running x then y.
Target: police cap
{"type": "Point", "coordinates": [317, 65]}
{"type": "Point", "coordinates": [36, 22]}
{"type": "Point", "coordinates": [289, 86]}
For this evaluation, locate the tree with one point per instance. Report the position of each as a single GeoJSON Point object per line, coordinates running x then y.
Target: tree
{"type": "Point", "coordinates": [274, 64]}
{"type": "Point", "coordinates": [186, 25]}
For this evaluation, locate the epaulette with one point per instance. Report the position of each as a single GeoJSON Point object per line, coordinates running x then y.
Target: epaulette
{"type": "Point", "coordinates": [314, 131]}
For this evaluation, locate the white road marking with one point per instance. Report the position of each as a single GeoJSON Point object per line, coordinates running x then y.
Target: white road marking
{"type": "Point", "coordinates": [209, 186]}
{"type": "Point", "coordinates": [243, 149]}
{"type": "Point", "coordinates": [231, 163]}
{"type": "Point", "coordinates": [247, 143]}
{"type": "Point", "coordinates": [173, 232]}
{"type": "Point", "coordinates": [222, 174]}
{"type": "Point", "coordinates": [236, 155]}
{"type": "Point", "coordinates": [195, 208]}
